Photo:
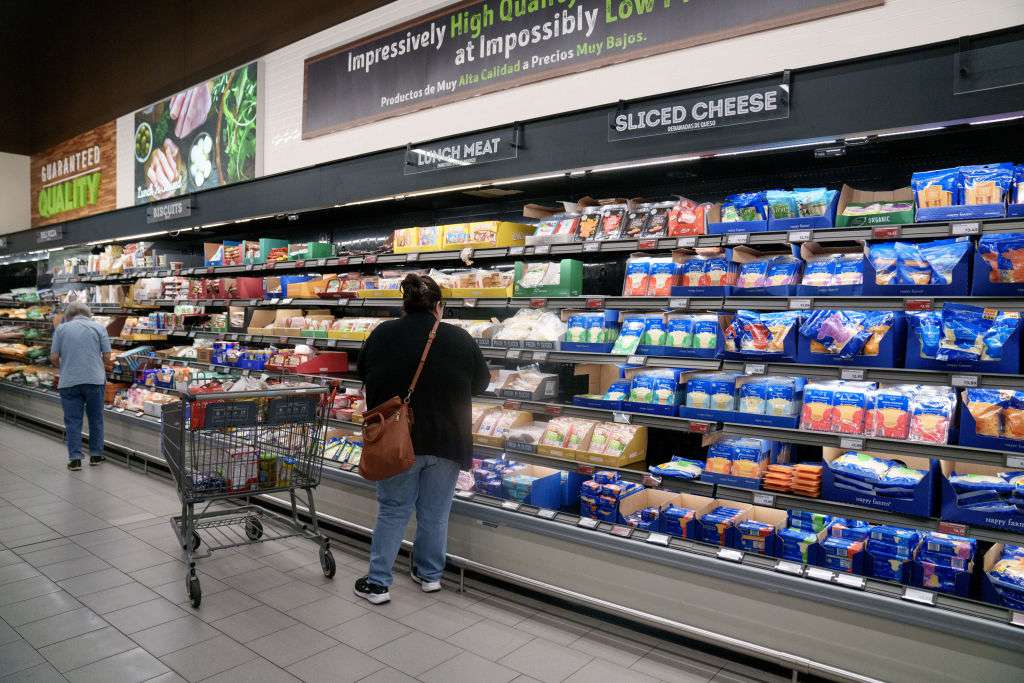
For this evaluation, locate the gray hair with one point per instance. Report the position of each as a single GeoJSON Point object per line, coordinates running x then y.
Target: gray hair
{"type": "Point", "coordinates": [76, 309]}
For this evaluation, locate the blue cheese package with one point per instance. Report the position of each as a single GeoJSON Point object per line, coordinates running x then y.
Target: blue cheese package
{"type": "Point", "coordinates": [927, 325]}
{"type": "Point", "coordinates": [936, 188]}
{"type": "Point", "coordinates": [678, 468]}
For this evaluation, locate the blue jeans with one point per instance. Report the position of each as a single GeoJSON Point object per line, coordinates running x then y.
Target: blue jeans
{"type": "Point", "coordinates": [429, 486]}
{"type": "Point", "coordinates": [76, 401]}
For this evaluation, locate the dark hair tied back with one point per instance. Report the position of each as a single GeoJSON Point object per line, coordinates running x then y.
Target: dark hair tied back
{"type": "Point", "coordinates": [419, 293]}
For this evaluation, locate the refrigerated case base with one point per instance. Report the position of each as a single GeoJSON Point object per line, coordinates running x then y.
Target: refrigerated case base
{"type": "Point", "coordinates": [825, 629]}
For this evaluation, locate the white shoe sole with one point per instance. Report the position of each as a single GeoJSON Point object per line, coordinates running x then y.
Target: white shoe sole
{"type": "Point", "coordinates": [374, 598]}
{"type": "Point", "coordinates": [427, 586]}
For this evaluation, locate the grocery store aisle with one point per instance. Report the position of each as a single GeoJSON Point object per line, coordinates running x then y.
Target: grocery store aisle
{"type": "Point", "coordinates": [91, 589]}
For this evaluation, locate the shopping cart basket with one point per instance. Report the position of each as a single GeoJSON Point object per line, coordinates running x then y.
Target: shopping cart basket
{"type": "Point", "coordinates": [235, 445]}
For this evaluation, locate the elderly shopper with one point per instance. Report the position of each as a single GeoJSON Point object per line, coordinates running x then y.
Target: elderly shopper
{"type": "Point", "coordinates": [81, 349]}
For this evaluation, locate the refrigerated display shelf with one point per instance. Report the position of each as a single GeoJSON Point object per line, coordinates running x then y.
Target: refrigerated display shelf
{"type": "Point", "coordinates": [906, 231]}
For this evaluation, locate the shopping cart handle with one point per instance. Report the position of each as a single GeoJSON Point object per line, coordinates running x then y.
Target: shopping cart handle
{"type": "Point", "coordinates": [268, 393]}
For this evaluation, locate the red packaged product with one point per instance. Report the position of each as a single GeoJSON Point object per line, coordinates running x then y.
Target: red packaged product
{"type": "Point", "coordinates": [686, 218]}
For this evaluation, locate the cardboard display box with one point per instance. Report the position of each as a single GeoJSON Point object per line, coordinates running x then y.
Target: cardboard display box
{"type": "Point", "coordinates": [850, 195]}
{"type": "Point", "coordinates": [923, 503]}
{"type": "Point", "coordinates": [891, 350]}
{"type": "Point", "coordinates": [952, 511]}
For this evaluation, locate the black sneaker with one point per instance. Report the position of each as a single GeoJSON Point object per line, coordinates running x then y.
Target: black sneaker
{"type": "Point", "coordinates": [371, 592]}
{"type": "Point", "coordinates": [74, 465]}
{"type": "Point", "coordinates": [425, 586]}
{"type": "Point", "coordinates": [96, 459]}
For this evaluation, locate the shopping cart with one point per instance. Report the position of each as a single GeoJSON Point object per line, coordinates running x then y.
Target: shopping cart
{"type": "Point", "coordinates": [235, 445]}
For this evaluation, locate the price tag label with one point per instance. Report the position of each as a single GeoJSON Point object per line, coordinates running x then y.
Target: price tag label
{"type": "Point", "coordinates": [787, 567]}
{"type": "Point", "coordinates": [637, 360]}
{"type": "Point", "coordinates": [594, 302]}
{"type": "Point", "coordinates": [553, 410]}
{"type": "Point", "coordinates": [852, 374]}
{"type": "Point", "coordinates": [737, 238]}
{"type": "Point", "coordinates": [658, 539]}
{"type": "Point", "coordinates": [679, 303]}
{"type": "Point", "coordinates": [885, 232]}
{"type": "Point", "coordinates": [321, 262]}
{"type": "Point", "coordinates": [621, 531]}
{"type": "Point", "coordinates": [412, 258]}
{"type": "Point", "coordinates": [686, 242]}
{"type": "Point", "coordinates": [799, 304]}
{"type": "Point", "coordinates": [286, 302]}
{"type": "Point", "coordinates": [651, 481]}
{"type": "Point", "coordinates": [755, 368]}
{"type": "Point", "coordinates": [538, 303]}
{"type": "Point", "coordinates": [852, 443]}
{"type": "Point", "coordinates": [1017, 619]}
{"type": "Point", "coordinates": [544, 513]}
{"type": "Point", "coordinates": [700, 427]}
{"type": "Point", "coordinates": [274, 302]}
{"type": "Point", "coordinates": [464, 495]}
{"type": "Point", "coordinates": [621, 418]}
{"type": "Point", "coordinates": [850, 581]}
{"type": "Point", "coordinates": [232, 337]}
{"type": "Point", "coordinates": [585, 469]}
{"type": "Point", "coordinates": [646, 244]}
{"type": "Point", "coordinates": [952, 528]}
{"type": "Point", "coordinates": [918, 595]}
{"type": "Point", "coordinates": [370, 258]}
{"type": "Point", "coordinates": [469, 303]}
{"type": "Point", "coordinates": [540, 356]}
{"type": "Point", "coordinates": [730, 555]}
{"type": "Point", "coordinates": [512, 354]}
{"type": "Point", "coordinates": [800, 236]}
{"type": "Point", "coordinates": [971, 228]}
{"type": "Point", "coordinates": [343, 260]}
{"type": "Point", "coordinates": [587, 523]}
{"type": "Point", "coordinates": [1015, 461]}
{"type": "Point", "coordinates": [967, 381]}
{"type": "Point", "coordinates": [515, 251]}
{"type": "Point", "coordinates": [918, 304]}
{"type": "Point", "coordinates": [118, 410]}
{"type": "Point", "coordinates": [591, 246]}
{"type": "Point", "coordinates": [512, 505]}
{"type": "Point", "coordinates": [764, 499]}
{"type": "Point", "coordinates": [511, 405]}
{"type": "Point", "coordinates": [270, 265]}
{"type": "Point", "coordinates": [283, 340]}
{"type": "Point", "coordinates": [819, 574]}
{"type": "Point", "coordinates": [542, 249]}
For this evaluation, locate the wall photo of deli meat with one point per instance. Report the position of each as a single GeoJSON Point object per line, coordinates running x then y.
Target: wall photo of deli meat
{"type": "Point", "coordinates": [200, 138]}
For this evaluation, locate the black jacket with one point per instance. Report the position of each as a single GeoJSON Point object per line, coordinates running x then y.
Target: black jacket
{"type": "Point", "coordinates": [442, 403]}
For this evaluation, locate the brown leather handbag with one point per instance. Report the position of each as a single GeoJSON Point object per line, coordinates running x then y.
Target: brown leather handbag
{"type": "Point", "coordinates": [387, 430]}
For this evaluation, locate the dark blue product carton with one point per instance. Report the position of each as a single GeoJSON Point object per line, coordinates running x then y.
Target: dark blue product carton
{"type": "Point", "coordinates": [831, 290]}
{"type": "Point", "coordinates": [922, 504]}
{"type": "Point", "coordinates": [858, 564]}
{"type": "Point", "coordinates": [721, 290]}
{"type": "Point", "coordinates": [959, 286]}
{"type": "Point", "coordinates": [1006, 596]}
{"type": "Point", "coordinates": [584, 347]}
{"type": "Point", "coordinates": [1008, 364]}
{"type": "Point", "coordinates": [730, 480]}
{"type": "Point", "coordinates": [734, 539]}
{"type": "Point", "coordinates": [670, 352]}
{"type": "Point", "coordinates": [969, 437]}
{"type": "Point", "coordinates": [545, 491]}
{"type": "Point", "coordinates": [981, 284]}
{"type": "Point", "coordinates": [887, 569]}
{"type": "Point", "coordinates": [588, 401]}
{"type": "Point", "coordinates": [571, 482]}
{"type": "Point", "coordinates": [778, 290]}
{"type": "Point", "coordinates": [739, 226]}
{"type": "Point", "coordinates": [736, 417]}
{"type": "Point", "coordinates": [1015, 211]}
{"type": "Point", "coordinates": [953, 511]}
{"type": "Point", "coordinates": [649, 408]}
{"type": "Point", "coordinates": [959, 581]}
{"type": "Point", "coordinates": [891, 350]}
{"type": "Point", "coordinates": [959, 213]}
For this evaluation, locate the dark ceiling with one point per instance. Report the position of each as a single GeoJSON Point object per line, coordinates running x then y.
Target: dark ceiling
{"type": "Point", "coordinates": [68, 66]}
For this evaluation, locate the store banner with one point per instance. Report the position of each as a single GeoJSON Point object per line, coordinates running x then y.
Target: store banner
{"type": "Point", "coordinates": [692, 113]}
{"type": "Point", "coordinates": [198, 139]}
{"type": "Point", "coordinates": [477, 47]}
{"type": "Point", "coordinates": [76, 178]}
{"type": "Point", "coordinates": [462, 151]}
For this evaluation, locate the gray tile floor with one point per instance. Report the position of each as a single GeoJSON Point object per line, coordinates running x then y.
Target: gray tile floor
{"type": "Point", "coordinates": [92, 589]}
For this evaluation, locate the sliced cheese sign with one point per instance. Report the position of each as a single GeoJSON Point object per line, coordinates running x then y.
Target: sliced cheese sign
{"type": "Point", "coordinates": [700, 111]}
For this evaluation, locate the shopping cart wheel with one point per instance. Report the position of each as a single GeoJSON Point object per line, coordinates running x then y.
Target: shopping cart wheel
{"type": "Point", "coordinates": [253, 529]}
{"type": "Point", "coordinates": [195, 592]}
{"type": "Point", "coordinates": [196, 541]}
{"type": "Point", "coordinates": [327, 562]}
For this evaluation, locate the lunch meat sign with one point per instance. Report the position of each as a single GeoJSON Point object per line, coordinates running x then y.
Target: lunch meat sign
{"type": "Point", "coordinates": [477, 47]}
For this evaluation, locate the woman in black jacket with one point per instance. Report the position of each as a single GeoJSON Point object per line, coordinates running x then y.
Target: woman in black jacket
{"type": "Point", "coordinates": [441, 431]}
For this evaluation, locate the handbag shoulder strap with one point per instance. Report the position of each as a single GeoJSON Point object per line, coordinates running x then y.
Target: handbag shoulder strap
{"type": "Point", "coordinates": [423, 359]}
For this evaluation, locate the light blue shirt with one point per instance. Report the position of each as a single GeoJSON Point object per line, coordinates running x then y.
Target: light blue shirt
{"type": "Point", "coordinates": [80, 343]}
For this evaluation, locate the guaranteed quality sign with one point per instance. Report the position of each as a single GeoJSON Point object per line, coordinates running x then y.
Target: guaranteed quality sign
{"type": "Point", "coordinates": [477, 47]}
{"type": "Point", "coordinates": [76, 178]}
{"type": "Point", "coordinates": [693, 113]}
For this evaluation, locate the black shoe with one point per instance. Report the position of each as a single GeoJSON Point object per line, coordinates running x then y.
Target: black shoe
{"type": "Point", "coordinates": [96, 459]}
{"type": "Point", "coordinates": [74, 465]}
{"type": "Point", "coordinates": [371, 592]}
